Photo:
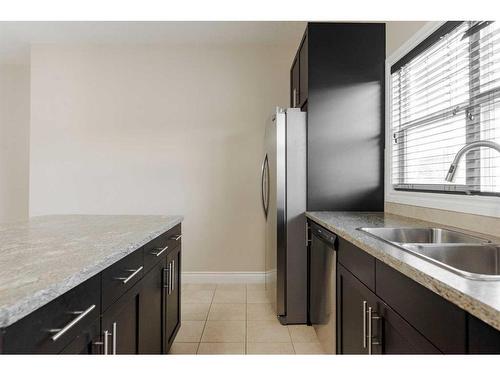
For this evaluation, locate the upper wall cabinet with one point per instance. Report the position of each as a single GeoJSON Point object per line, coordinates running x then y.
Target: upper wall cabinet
{"type": "Point", "coordinates": [294, 84]}
{"type": "Point", "coordinates": [299, 76]}
{"type": "Point", "coordinates": [303, 72]}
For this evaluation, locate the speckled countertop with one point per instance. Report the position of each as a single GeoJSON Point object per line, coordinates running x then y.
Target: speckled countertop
{"type": "Point", "coordinates": [44, 257]}
{"type": "Point", "coordinates": [479, 298]}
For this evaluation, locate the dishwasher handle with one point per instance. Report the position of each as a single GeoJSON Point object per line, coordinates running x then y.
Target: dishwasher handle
{"type": "Point", "coordinates": [324, 235]}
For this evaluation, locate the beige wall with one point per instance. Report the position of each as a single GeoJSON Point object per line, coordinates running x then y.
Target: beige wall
{"type": "Point", "coordinates": [398, 32]}
{"type": "Point", "coordinates": [14, 142]}
{"type": "Point", "coordinates": [159, 130]}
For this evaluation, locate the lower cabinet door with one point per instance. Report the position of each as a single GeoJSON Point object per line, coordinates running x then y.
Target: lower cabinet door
{"type": "Point", "coordinates": [366, 325]}
{"type": "Point", "coordinates": [483, 339]}
{"type": "Point", "coordinates": [120, 324]}
{"type": "Point", "coordinates": [151, 311]}
{"type": "Point", "coordinates": [353, 299]}
{"type": "Point", "coordinates": [172, 297]}
{"type": "Point", "coordinates": [87, 342]}
{"type": "Point", "coordinates": [397, 336]}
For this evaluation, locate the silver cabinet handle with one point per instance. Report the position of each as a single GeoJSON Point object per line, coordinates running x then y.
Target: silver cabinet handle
{"type": "Point", "coordinates": [176, 238]}
{"type": "Point", "coordinates": [173, 275]}
{"type": "Point", "coordinates": [67, 327]}
{"type": "Point", "coordinates": [114, 337]}
{"type": "Point", "coordinates": [294, 98]}
{"type": "Point", "coordinates": [364, 324]}
{"type": "Point", "coordinates": [127, 279]}
{"type": "Point", "coordinates": [160, 251]}
{"type": "Point", "coordinates": [106, 342]}
{"type": "Point", "coordinates": [371, 317]}
{"type": "Point", "coordinates": [170, 278]}
{"type": "Point", "coordinates": [369, 330]}
{"type": "Point", "coordinates": [166, 278]}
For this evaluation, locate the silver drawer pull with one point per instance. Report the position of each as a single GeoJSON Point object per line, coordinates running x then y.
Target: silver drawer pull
{"type": "Point", "coordinates": [170, 274]}
{"type": "Point", "coordinates": [106, 342]}
{"type": "Point", "coordinates": [364, 323]}
{"type": "Point", "coordinates": [114, 337]}
{"type": "Point", "coordinates": [166, 278]}
{"type": "Point", "coordinates": [173, 275]}
{"type": "Point", "coordinates": [160, 251]}
{"type": "Point", "coordinates": [176, 238]}
{"type": "Point", "coordinates": [67, 327]}
{"type": "Point", "coordinates": [127, 279]}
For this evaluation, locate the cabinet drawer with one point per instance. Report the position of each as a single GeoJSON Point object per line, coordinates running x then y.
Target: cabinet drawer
{"type": "Point", "coordinates": [121, 276]}
{"type": "Point", "coordinates": [440, 321]}
{"type": "Point", "coordinates": [158, 248]}
{"type": "Point", "coordinates": [358, 262]}
{"type": "Point", "coordinates": [52, 327]}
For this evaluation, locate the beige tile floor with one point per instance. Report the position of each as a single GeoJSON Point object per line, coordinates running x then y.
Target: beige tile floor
{"type": "Point", "coordinates": [236, 319]}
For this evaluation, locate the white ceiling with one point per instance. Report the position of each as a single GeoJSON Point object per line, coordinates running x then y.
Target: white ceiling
{"type": "Point", "coordinates": [16, 37]}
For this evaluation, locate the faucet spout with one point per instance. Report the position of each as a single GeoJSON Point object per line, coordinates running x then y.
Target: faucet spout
{"type": "Point", "coordinates": [450, 176]}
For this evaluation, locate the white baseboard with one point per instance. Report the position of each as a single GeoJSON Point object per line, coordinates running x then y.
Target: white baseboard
{"type": "Point", "coordinates": [223, 277]}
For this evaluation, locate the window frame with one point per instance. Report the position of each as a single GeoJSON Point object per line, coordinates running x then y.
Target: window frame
{"type": "Point", "coordinates": [453, 199]}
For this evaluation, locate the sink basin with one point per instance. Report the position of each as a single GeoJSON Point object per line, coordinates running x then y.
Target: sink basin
{"type": "Point", "coordinates": [469, 256]}
{"type": "Point", "coordinates": [422, 236]}
{"type": "Point", "coordinates": [472, 261]}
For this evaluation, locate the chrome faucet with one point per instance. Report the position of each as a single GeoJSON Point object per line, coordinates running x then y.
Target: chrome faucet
{"type": "Point", "coordinates": [450, 176]}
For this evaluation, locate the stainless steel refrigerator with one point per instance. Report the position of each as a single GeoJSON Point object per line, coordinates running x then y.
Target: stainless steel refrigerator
{"type": "Point", "coordinates": [284, 181]}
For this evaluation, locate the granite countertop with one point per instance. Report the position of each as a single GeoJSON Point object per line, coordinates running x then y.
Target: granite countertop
{"type": "Point", "coordinates": [479, 298]}
{"type": "Point", "coordinates": [44, 257]}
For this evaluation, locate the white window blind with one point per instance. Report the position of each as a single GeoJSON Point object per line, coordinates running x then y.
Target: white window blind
{"type": "Point", "coordinates": [444, 98]}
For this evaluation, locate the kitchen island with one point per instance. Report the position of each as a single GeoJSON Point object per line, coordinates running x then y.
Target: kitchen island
{"type": "Point", "coordinates": [90, 283]}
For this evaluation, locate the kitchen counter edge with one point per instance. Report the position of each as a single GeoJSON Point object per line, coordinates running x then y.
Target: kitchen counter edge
{"type": "Point", "coordinates": [25, 306]}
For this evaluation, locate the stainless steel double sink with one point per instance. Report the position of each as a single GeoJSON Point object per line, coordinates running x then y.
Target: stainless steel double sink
{"type": "Point", "coordinates": [469, 256]}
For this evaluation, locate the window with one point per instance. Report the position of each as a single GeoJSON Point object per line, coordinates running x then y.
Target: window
{"type": "Point", "coordinates": [445, 94]}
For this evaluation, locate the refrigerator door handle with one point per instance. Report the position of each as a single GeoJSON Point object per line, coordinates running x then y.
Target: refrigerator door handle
{"type": "Point", "coordinates": [265, 185]}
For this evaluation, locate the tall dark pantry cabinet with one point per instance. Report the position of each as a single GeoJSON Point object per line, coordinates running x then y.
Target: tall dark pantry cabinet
{"type": "Point", "coordinates": [338, 78]}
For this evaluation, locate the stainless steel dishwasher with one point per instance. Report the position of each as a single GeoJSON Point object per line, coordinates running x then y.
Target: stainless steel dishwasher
{"type": "Point", "coordinates": [322, 286]}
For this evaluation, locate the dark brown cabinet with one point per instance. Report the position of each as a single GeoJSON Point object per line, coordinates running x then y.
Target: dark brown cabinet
{"type": "Point", "coordinates": [353, 298]}
{"type": "Point", "coordinates": [366, 325]}
{"type": "Point", "coordinates": [442, 322]}
{"type": "Point", "coordinates": [339, 67]}
{"type": "Point", "coordinates": [299, 76]}
{"type": "Point", "coordinates": [151, 311]}
{"type": "Point", "coordinates": [378, 303]}
{"type": "Point", "coordinates": [54, 326]}
{"type": "Point", "coordinates": [120, 324]}
{"type": "Point", "coordinates": [399, 337]}
{"type": "Point", "coordinates": [139, 314]}
{"type": "Point", "coordinates": [172, 293]}
{"type": "Point", "coordinates": [303, 72]}
{"type": "Point", "coordinates": [483, 339]}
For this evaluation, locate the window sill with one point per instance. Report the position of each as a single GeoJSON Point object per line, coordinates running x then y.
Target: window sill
{"type": "Point", "coordinates": [471, 204]}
